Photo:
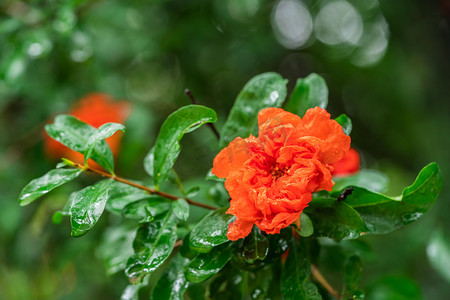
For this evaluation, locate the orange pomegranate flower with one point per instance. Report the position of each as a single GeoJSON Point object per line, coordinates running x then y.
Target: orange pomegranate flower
{"type": "Point", "coordinates": [348, 165]}
{"type": "Point", "coordinates": [94, 109]}
{"type": "Point", "coordinates": [271, 178]}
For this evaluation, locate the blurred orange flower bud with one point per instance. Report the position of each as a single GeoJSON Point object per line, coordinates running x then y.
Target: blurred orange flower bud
{"type": "Point", "coordinates": [94, 109]}
{"type": "Point", "coordinates": [271, 178]}
{"type": "Point", "coordinates": [348, 165]}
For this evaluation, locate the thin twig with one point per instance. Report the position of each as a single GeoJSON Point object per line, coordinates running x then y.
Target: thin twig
{"type": "Point", "coordinates": [178, 243]}
{"type": "Point", "coordinates": [142, 187]}
{"type": "Point", "coordinates": [319, 277]}
{"type": "Point", "coordinates": [194, 101]}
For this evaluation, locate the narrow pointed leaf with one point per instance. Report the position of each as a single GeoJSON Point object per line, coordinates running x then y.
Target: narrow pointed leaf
{"type": "Point", "coordinates": [153, 244]}
{"type": "Point", "coordinates": [205, 265]}
{"type": "Point", "coordinates": [264, 90]}
{"type": "Point", "coordinates": [173, 282]}
{"type": "Point", "coordinates": [167, 146]}
{"type": "Point", "coordinates": [88, 205]}
{"type": "Point", "coordinates": [42, 185]}
{"type": "Point", "coordinates": [309, 92]}
{"type": "Point", "coordinates": [103, 132]}
{"type": "Point", "coordinates": [383, 214]}
{"type": "Point", "coordinates": [211, 231]}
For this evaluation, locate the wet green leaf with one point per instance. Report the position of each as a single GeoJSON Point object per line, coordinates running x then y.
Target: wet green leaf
{"type": "Point", "coordinates": [144, 210]}
{"type": "Point", "coordinates": [308, 93]}
{"type": "Point", "coordinates": [211, 231]}
{"type": "Point", "coordinates": [295, 275]}
{"type": "Point", "coordinates": [87, 206]}
{"type": "Point", "coordinates": [103, 132]}
{"type": "Point", "coordinates": [438, 252]}
{"type": "Point", "coordinates": [306, 226]}
{"type": "Point", "coordinates": [167, 146]}
{"type": "Point", "coordinates": [42, 185]}
{"type": "Point", "coordinates": [153, 244]}
{"type": "Point", "coordinates": [180, 209]}
{"type": "Point", "coordinates": [131, 292]}
{"type": "Point", "coordinates": [149, 162]}
{"type": "Point", "coordinates": [371, 180]}
{"type": "Point", "coordinates": [345, 122]}
{"type": "Point", "coordinates": [383, 214]}
{"type": "Point", "coordinates": [75, 134]}
{"type": "Point", "coordinates": [255, 247]}
{"type": "Point", "coordinates": [121, 195]}
{"type": "Point", "coordinates": [173, 282]}
{"type": "Point", "coordinates": [334, 219]}
{"type": "Point", "coordinates": [264, 90]}
{"type": "Point", "coordinates": [205, 265]}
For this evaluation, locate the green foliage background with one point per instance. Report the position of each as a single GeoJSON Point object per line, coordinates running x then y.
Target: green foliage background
{"type": "Point", "coordinates": [148, 52]}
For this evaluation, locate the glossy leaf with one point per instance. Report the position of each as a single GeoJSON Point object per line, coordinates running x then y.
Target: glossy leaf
{"type": "Point", "coordinates": [149, 160]}
{"type": "Point", "coordinates": [42, 185]}
{"type": "Point", "coordinates": [75, 134]}
{"type": "Point", "coordinates": [173, 282]}
{"type": "Point", "coordinates": [264, 90]}
{"type": "Point", "coordinates": [167, 146]}
{"type": "Point", "coordinates": [180, 209]}
{"type": "Point", "coordinates": [345, 122]}
{"type": "Point", "coordinates": [371, 180]}
{"type": "Point", "coordinates": [382, 214]}
{"type": "Point", "coordinates": [438, 252]}
{"type": "Point", "coordinates": [205, 265]}
{"type": "Point", "coordinates": [123, 194]}
{"type": "Point", "coordinates": [145, 210]}
{"type": "Point", "coordinates": [334, 219]}
{"type": "Point", "coordinates": [153, 244]}
{"type": "Point", "coordinates": [255, 247]}
{"type": "Point", "coordinates": [308, 93]}
{"type": "Point", "coordinates": [103, 132]}
{"type": "Point", "coordinates": [306, 226]}
{"type": "Point", "coordinates": [87, 206]}
{"type": "Point", "coordinates": [211, 231]}
{"type": "Point", "coordinates": [295, 276]}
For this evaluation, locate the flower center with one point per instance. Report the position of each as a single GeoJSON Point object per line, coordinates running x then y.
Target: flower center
{"type": "Point", "coordinates": [277, 172]}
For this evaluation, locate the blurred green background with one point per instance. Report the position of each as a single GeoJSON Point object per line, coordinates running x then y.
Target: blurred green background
{"type": "Point", "coordinates": [386, 64]}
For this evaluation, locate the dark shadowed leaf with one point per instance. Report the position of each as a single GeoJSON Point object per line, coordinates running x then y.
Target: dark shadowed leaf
{"type": "Point", "coordinates": [345, 122]}
{"type": "Point", "coordinates": [87, 206]}
{"type": "Point", "coordinates": [264, 90]}
{"type": "Point", "coordinates": [153, 244]}
{"type": "Point", "coordinates": [255, 247]}
{"type": "Point", "coordinates": [382, 214]}
{"type": "Point", "coordinates": [103, 132]}
{"type": "Point", "coordinates": [173, 282]}
{"type": "Point", "coordinates": [167, 146]}
{"type": "Point", "coordinates": [334, 219]}
{"type": "Point", "coordinates": [309, 92]}
{"type": "Point", "coordinates": [42, 185]}
{"type": "Point", "coordinates": [211, 231]}
{"type": "Point", "coordinates": [205, 265]}
{"type": "Point", "coordinates": [295, 275]}
{"type": "Point", "coordinates": [353, 268]}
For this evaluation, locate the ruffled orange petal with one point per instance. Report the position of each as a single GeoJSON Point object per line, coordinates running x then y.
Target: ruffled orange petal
{"type": "Point", "coordinates": [232, 157]}
{"type": "Point", "coordinates": [274, 223]}
{"type": "Point", "coordinates": [336, 143]}
{"type": "Point", "coordinates": [239, 229]}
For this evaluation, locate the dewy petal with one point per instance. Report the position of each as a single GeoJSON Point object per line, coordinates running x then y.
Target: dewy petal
{"type": "Point", "coordinates": [239, 229]}
{"type": "Point", "coordinates": [232, 157]}
{"type": "Point", "coordinates": [276, 222]}
{"type": "Point", "coordinates": [336, 143]}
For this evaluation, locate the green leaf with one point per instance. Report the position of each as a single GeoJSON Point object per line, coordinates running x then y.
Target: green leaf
{"type": "Point", "coordinates": [211, 231]}
{"type": "Point", "coordinates": [255, 247]}
{"type": "Point", "coordinates": [345, 122]}
{"type": "Point", "coordinates": [88, 205]}
{"type": "Point", "coordinates": [116, 248]}
{"type": "Point", "coordinates": [394, 287]}
{"type": "Point", "coordinates": [153, 244]}
{"type": "Point", "coordinates": [149, 160]}
{"type": "Point", "coordinates": [173, 282]}
{"type": "Point", "coordinates": [383, 214]}
{"type": "Point", "coordinates": [438, 252]}
{"type": "Point", "coordinates": [334, 219]}
{"type": "Point", "coordinates": [205, 265]}
{"type": "Point", "coordinates": [123, 194]}
{"type": "Point", "coordinates": [103, 132]}
{"type": "Point", "coordinates": [181, 209]}
{"type": "Point", "coordinates": [144, 210]}
{"type": "Point", "coordinates": [42, 185]}
{"type": "Point", "coordinates": [306, 226]}
{"type": "Point", "coordinates": [75, 134]}
{"type": "Point", "coordinates": [295, 275]}
{"type": "Point", "coordinates": [264, 90]}
{"type": "Point", "coordinates": [371, 180]}
{"type": "Point", "coordinates": [131, 292]}
{"type": "Point", "coordinates": [167, 146]}
{"type": "Point", "coordinates": [308, 93]}
{"type": "Point", "coordinates": [352, 273]}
